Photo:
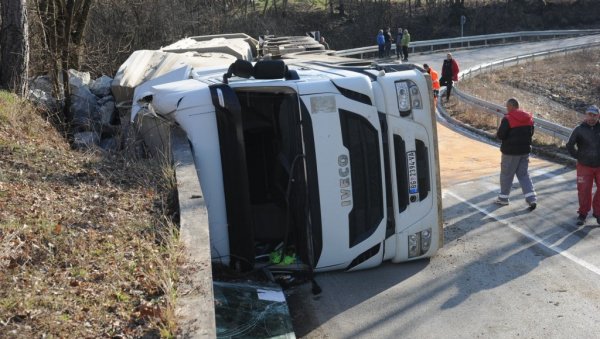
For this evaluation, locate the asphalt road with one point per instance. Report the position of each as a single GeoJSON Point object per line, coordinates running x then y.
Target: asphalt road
{"type": "Point", "coordinates": [504, 272]}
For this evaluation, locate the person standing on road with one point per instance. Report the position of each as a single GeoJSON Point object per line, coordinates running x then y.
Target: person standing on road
{"type": "Point", "coordinates": [399, 43]}
{"type": "Point", "coordinates": [388, 42]}
{"type": "Point", "coordinates": [584, 145]}
{"type": "Point", "coordinates": [435, 82]}
{"type": "Point", "coordinates": [405, 42]}
{"type": "Point", "coordinates": [516, 132]}
{"type": "Point", "coordinates": [381, 43]}
{"type": "Point", "coordinates": [449, 74]}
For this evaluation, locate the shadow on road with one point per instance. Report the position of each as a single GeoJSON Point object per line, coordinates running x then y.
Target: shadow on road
{"type": "Point", "coordinates": [552, 224]}
{"type": "Point", "coordinates": [350, 289]}
{"type": "Point", "coordinates": [498, 264]}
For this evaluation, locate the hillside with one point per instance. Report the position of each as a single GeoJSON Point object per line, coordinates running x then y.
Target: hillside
{"type": "Point", "coordinates": [85, 249]}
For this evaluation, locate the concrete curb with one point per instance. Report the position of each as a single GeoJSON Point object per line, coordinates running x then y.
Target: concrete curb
{"type": "Point", "coordinates": [195, 308]}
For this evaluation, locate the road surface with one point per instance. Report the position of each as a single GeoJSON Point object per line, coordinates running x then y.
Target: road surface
{"type": "Point", "coordinates": [504, 272]}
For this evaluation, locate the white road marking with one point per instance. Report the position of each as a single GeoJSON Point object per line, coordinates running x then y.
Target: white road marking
{"type": "Point", "coordinates": [556, 249]}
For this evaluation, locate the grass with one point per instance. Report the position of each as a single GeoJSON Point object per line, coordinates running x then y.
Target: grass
{"type": "Point", "coordinates": [86, 248]}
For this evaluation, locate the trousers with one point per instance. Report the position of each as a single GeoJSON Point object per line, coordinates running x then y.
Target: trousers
{"type": "Point", "coordinates": [518, 165]}
{"type": "Point", "coordinates": [586, 176]}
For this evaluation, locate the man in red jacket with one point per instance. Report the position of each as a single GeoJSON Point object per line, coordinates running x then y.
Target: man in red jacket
{"type": "Point", "coordinates": [449, 74]}
{"type": "Point", "coordinates": [516, 132]}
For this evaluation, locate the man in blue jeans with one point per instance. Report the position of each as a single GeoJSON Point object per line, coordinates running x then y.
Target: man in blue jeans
{"type": "Point", "coordinates": [516, 132]}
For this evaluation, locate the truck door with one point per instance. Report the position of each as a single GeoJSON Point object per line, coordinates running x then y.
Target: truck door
{"type": "Point", "coordinates": [348, 154]}
{"type": "Point", "coordinates": [410, 154]}
{"type": "Point", "coordinates": [211, 117]}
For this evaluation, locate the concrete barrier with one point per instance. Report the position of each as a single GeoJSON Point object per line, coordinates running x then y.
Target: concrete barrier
{"type": "Point", "coordinates": [195, 308]}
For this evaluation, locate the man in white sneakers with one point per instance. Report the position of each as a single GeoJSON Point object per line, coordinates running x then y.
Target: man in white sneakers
{"type": "Point", "coordinates": [516, 132]}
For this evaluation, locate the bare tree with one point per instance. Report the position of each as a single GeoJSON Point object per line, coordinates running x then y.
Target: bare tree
{"type": "Point", "coordinates": [63, 25]}
{"type": "Point", "coordinates": [14, 57]}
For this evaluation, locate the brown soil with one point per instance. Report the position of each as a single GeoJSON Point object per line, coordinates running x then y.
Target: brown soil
{"type": "Point", "coordinates": [555, 89]}
{"type": "Point", "coordinates": [463, 159]}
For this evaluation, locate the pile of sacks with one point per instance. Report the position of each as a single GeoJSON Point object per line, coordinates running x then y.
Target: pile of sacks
{"type": "Point", "coordinates": [95, 121]}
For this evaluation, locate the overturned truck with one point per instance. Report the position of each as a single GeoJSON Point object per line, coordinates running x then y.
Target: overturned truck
{"type": "Point", "coordinates": [329, 163]}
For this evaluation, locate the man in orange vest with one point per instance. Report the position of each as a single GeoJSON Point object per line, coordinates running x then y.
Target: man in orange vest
{"type": "Point", "coordinates": [435, 81]}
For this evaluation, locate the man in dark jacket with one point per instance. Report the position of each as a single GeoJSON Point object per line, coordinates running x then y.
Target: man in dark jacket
{"type": "Point", "coordinates": [584, 145]}
{"type": "Point", "coordinates": [515, 131]}
{"type": "Point", "coordinates": [387, 37]}
{"type": "Point", "coordinates": [399, 43]}
{"type": "Point", "coordinates": [449, 74]}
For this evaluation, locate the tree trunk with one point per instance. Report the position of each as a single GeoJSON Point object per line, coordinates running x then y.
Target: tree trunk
{"type": "Point", "coordinates": [63, 26]}
{"type": "Point", "coordinates": [78, 28]}
{"type": "Point", "coordinates": [14, 43]}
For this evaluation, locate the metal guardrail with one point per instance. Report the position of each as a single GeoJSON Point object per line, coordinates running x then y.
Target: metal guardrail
{"type": "Point", "coordinates": [431, 45]}
{"type": "Point", "coordinates": [542, 125]}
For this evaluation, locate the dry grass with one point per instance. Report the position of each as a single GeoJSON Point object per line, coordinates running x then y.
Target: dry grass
{"type": "Point", "coordinates": [85, 247]}
{"type": "Point", "coordinates": [556, 89]}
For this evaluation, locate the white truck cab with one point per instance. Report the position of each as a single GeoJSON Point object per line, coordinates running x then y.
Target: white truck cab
{"type": "Point", "coordinates": [334, 165]}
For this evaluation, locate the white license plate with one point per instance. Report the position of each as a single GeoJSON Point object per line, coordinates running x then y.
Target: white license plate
{"type": "Point", "coordinates": [413, 184]}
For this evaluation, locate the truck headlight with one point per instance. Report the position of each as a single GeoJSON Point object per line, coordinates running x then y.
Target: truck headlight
{"type": "Point", "coordinates": [403, 96]}
{"type": "Point", "coordinates": [425, 240]}
{"type": "Point", "coordinates": [409, 97]}
{"type": "Point", "coordinates": [419, 243]}
{"type": "Point", "coordinates": [414, 242]}
{"type": "Point", "coordinates": [415, 96]}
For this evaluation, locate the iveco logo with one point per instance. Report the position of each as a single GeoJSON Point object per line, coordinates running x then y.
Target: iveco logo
{"type": "Point", "coordinates": [345, 189]}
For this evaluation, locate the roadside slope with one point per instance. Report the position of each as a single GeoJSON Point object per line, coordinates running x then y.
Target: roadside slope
{"type": "Point", "coordinates": [85, 249]}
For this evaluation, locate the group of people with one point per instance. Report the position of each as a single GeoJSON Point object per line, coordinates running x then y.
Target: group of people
{"type": "Point", "coordinates": [385, 40]}
{"type": "Point", "coordinates": [516, 133]}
